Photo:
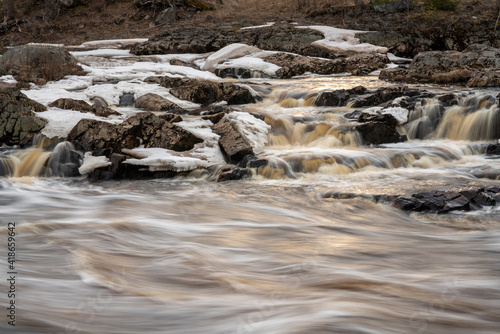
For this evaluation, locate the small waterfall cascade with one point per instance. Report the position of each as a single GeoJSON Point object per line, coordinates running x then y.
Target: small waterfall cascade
{"type": "Point", "coordinates": [48, 157]}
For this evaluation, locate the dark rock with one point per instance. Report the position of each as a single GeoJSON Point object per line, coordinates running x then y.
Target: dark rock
{"type": "Point", "coordinates": [207, 92]}
{"type": "Point", "coordinates": [178, 62]}
{"type": "Point", "coordinates": [127, 100]}
{"type": "Point", "coordinates": [393, 7]}
{"type": "Point", "coordinates": [379, 129]}
{"type": "Point", "coordinates": [18, 123]}
{"type": "Point", "coordinates": [477, 66]}
{"type": "Point", "coordinates": [457, 203]}
{"type": "Point", "coordinates": [214, 118]}
{"type": "Point", "coordinates": [99, 101]}
{"type": "Point", "coordinates": [39, 64]}
{"type": "Point", "coordinates": [65, 160]}
{"type": "Point", "coordinates": [171, 118]}
{"type": "Point", "coordinates": [82, 106]}
{"type": "Point", "coordinates": [239, 73]}
{"type": "Point", "coordinates": [251, 161]}
{"type": "Point", "coordinates": [384, 94]}
{"type": "Point", "coordinates": [338, 98]}
{"type": "Point", "coordinates": [232, 143]}
{"type": "Point", "coordinates": [279, 37]}
{"type": "Point", "coordinates": [154, 102]}
{"type": "Point", "coordinates": [235, 174]}
{"type": "Point", "coordinates": [354, 115]}
{"type": "Point", "coordinates": [102, 138]}
{"type": "Point", "coordinates": [493, 149]}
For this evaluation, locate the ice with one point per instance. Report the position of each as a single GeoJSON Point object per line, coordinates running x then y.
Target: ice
{"type": "Point", "coordinates": [343, 41]}
{"type": "Point", "coordinates": [395, 59]}
{"type": "Point", "coordinates": [268, 24]}
{"type": "Point", "coordinates": [102, 53]}
{"type": "Point", "coordinates": [209, 150]}
{"type": "Point", "coordinates": [90, 163]}
{"type": "Point", "coordinates": [251, 63]}
{"type": "Point", "coordinates": [159, 159]}
{"type": "Point", "coordinates": [60, 122]}
{"type": "Point", "coordinates": [112, 43]}
{"type": "Point", "coordinates": [231, 51]}
{"type": "Point", "coordinates": [252, 128]}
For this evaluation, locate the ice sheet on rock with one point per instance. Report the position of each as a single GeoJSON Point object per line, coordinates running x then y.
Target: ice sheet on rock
{"type": "Point", "coordinates": [159, 159]}
{"type": "Point", "coordinates": [60, 122]}
{"type": "Point", "coordinates": [113, 43]}
{"type": "Point", "coordinates": [268, 24]}
{"type": "Point", "coordinates": [102, 53]}
{"type": "Point", "coordinates": [252, 128]}
{"type": "Point", "coordinates": [251, 63]}
{"type": "Point", "coordinates": [395, 59]}
{"type": "Point", "coordinates": [343, 41]}
{"type": "Point", "coordinates": [141, 70]}
{"type": "Point", "coordinates": [90, 163]}
{"type": "Point", "coordinates": [209, 150]}
{"type": "Point", "coordinates": [231, 51]}
{"type": "Point", "coordinates": [400, 114]}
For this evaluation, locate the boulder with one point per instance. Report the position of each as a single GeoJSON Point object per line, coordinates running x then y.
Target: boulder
{"type": "Point", "coordinates": [155, 102]}
{"type": "Point", "coordinates": [232, 143]}
{"type": "Point", "coordinates": [378, 129]}
{"type": "Point", "coordinates": [477, 66]}
{"type": "Point", "coordinates": [293, 65]}
{"type": "Point", "coordinates": [102, 138]}
{"type": "Point", "coordinates": [338, 98]}
{"type": "Point", "coordinates": [82, 106]}
{"type": "Point", "coordinates": [207, 92]}
{"type": "Point", "coordinates": [39, 64]}
{"type": "Point", "coordinates": [444, 202]}
{"type": "Point", "coordinates": [235, 174]}
{"type": "Point", "coordinates": [278, 37]}
{"type": "Point", "coordinates": [384, 94]}
{"type": "Point", "coordinates": [231, 51]}
{"type": "Point", "coordinates": [18, 123]}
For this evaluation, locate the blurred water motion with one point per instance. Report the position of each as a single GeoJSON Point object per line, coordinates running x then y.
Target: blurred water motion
{"type": "Point", "coordinates": [186, 257]}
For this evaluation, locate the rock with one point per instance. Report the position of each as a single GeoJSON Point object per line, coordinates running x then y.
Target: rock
{"type": "Point", "coordinates": [279, 37]}
{"type": "Point", "coordinates": [102, 138]}
{"type": "Point", "coordinates": [18, 123]}
{"type": "Point", "coordinates": [127, 100]}
{"type": "Point", "coordinates": [82, 106]}
{"type": "Point", "coordinates": [293, 65]}
{"type": "Point", "coordinates": [493, 149]}
{"type": "Point", "coordinates": [239, 73]}
{"type": "Point", "coordinates": [365, 63]}
{"type": "Point", "coordinates": [178, 62]}
{"type": "Point", "coordinates": [338, 98]}
{"type": "Point", "coordinates": [167, 16]}
{"type": "Point", "coordinates": [384, 94]}
{"type": "Point", "coordinates": [444, 202]}
{"type": "Point", "coordinates": [232, 143]}
{"type": "Point", "coordinates": [38, 64]}
{"type": "Point", "coordinates": [97, 100]}
{"type": "Point", "coordinates": [379, 129]}
{"type": "Point", "coordinates": [393, 7]}
{"type": "Point", "coordinates": [477, 66]}
{"type": "Point", "coordinates": [171, 118]}
{"type": "Point", "coordinates": [154, 102]}
{"type": "Point", "coordinates": [207, 92]}
{"type": "Point", "coordinates": [65, 160]}
{"type": "Point", "coordinates": [235, 174]}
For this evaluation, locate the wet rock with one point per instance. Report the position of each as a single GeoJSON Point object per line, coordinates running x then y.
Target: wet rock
{"type": "Point", "coordinates": [82, 106]}
{"type": "Point", "coordinates": [338, 98]}
{"type": "Point", "coordinates": [38, 64]}
{"type": "Point", "coordinates": [444, 202]}
{"type": "Point", "coordinates": [235, 174]}
{"type": "Point", "coordinates": [293, 65]}
{"type": "Point", "coordinates": [171, 118]}
{"type": "Point", "coordinates": [232, 143]}
{"type": "Point", "coordinates": [251, 161]}
{"type": "Point", "coordinates": [384, 94]}
{"type": "Point", "coordinates": [353, 115]}
{"type": "Point", "coordinates": [155, 102]}
{"type": "Point", "coordinates": [97, 100]}
{"type": "Point", "coordinates": [379, 129]}
{"type": "Point", "coordinates": [102, 138]}
{"type": "Point", "coordinates": [493, 149]}
{"type": "Point", "coordinates": [18, 123]}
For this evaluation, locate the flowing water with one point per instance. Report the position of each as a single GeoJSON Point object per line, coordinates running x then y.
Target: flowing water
{"type": "Point", "coordinates": [271, 254]}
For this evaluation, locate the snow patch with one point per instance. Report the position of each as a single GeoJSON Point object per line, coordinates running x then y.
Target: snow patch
{"type": "Point", "coordinates": [268, 24]}
{"type": "Point", "coordinates": [343, 41]}
{"type": "Point", "coordinates": [251, 63]}
{"type": "Point", "coordinates": [160, 159]}
{"type": "Point", "coordinates": [231, 51]}
{"type": "Point", "coordinates": [112, 43]}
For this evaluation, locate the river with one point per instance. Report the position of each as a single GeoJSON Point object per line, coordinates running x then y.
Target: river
{"type": "Point", "coordinates": [271, 254]}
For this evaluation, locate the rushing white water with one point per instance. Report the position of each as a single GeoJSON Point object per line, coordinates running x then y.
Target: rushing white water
{"type": "Point", "coordinates": [265, 255]}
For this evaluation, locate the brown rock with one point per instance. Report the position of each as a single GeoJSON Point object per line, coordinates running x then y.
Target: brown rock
{"type": "Point", "coordinates": [232, 143]}
{"type": "Point", "coordinates": [155, 102]}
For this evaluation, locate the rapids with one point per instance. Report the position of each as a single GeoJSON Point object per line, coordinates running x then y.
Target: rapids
{"type": "Point", "coordinates": [271, 254]}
